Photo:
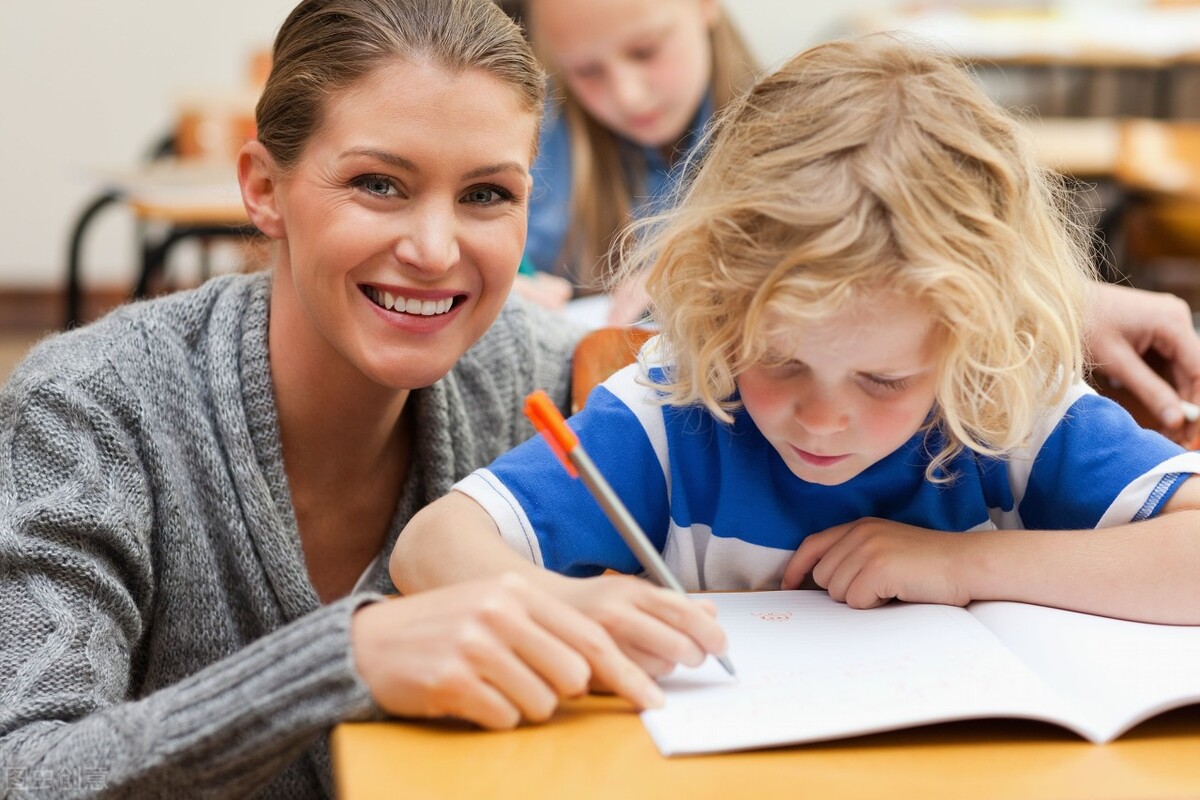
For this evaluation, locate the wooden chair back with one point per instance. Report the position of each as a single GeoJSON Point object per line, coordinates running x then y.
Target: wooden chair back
{"type": "Point", "coordinates": [599, 354]}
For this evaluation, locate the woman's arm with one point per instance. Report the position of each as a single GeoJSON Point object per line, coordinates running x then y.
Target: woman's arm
{"type": "Point", "coordinates": [81, 594]}
{"type": "Point", "coordinates": [454, 539]}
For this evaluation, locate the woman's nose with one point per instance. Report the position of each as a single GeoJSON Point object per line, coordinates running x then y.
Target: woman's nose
{"type": "Point", "coordinates": [429, 242]}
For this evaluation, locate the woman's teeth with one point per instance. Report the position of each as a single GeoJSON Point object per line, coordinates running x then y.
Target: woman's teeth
{"type": "Point", "coordinates": [424, 308]}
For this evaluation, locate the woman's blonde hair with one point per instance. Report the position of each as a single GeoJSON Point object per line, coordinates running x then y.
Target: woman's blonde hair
{"type": "Point", "coordinates": [865, 166]}
{"type": "Point", "coordinates": [325, 46]}
{"type": "Point", "coordinates": [604, 183]}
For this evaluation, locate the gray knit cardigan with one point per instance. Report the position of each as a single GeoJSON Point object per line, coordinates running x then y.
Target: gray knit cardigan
{"type": "Point", "coordinates": [159, 636]}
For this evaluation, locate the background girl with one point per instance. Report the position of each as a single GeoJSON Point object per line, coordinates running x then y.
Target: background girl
{"type": "Point", "coordinates": [634, 83]}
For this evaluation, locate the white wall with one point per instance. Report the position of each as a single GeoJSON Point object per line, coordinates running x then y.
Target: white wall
{"type": "Point", "coordinates": [89, 84]}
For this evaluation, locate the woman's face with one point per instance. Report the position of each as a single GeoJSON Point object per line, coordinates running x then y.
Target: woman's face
{"type": "Point", "coordinates": [640, 67]}
{"type": "Point", "coordinates": [404, 221]}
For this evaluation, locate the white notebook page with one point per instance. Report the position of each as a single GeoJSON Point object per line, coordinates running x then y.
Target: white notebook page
{"type": "Point", "coordinates": [810, 668]}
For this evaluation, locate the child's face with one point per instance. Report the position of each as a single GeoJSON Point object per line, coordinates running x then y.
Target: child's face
{"type": "Point", "coordinates": [640, 67]}
{"type": "Point", "coordinates": [837, 396]}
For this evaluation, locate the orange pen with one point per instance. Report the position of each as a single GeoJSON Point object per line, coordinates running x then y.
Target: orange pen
{"type": "Point", "coordinates": [549, 422]}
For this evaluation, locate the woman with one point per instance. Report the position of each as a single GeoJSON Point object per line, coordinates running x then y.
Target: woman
{"type": "Point", "coordinates": [192, 489]}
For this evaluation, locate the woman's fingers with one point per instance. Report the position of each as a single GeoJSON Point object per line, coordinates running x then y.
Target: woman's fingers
{"type": "Point", "coordinates": [492, 652]}
{"type": "Point", "coordinates": [587, 639]}
{"type": "Point", "coordinates": [655, 626]}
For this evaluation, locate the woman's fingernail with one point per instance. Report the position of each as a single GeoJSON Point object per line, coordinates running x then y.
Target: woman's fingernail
{"type": "Point", "coordinates": [1191, 411]}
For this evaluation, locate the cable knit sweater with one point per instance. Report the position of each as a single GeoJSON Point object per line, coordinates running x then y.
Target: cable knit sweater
{"type": "Point", "coordinates": [159, 636]}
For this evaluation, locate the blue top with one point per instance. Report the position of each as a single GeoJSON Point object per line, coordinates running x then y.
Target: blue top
{"type": "Point", "coordinates": [550, 202]}
{"type": "Point", "coordinates": [727, 513]}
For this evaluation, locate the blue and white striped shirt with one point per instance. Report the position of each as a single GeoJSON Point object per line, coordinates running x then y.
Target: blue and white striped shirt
{"type": "Point", "coordinates": [727, 513]}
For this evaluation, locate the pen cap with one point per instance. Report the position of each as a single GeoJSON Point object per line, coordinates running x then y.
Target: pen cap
{"type": "Point", "coordinates": [549, 422]}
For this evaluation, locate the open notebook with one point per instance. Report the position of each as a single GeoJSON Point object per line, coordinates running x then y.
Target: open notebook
{"type": "Point", "coordinates": [810, 668]}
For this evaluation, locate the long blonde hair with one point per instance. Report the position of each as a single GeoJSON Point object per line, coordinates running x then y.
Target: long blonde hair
{"type": "Point", "coordinates": [601, 189]}
{"type": "Point", "coordinates": [866, 165]}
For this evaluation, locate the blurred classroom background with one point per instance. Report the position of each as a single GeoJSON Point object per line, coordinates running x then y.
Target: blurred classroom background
{"type": "Point", "coordinates": [92, 91]}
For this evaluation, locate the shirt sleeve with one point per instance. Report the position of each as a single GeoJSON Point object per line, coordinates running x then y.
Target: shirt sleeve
{"type": "Point", "coordinates": [551, 518]}
{"type": "Point", "coordinates": [1093, 466]}
{"type": "Point", "coordinates": [77, 586]}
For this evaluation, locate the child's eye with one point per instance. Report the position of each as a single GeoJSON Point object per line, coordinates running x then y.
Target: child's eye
{"type": "Point", "coordinates": [487, 196]}
{"type": "Point", "coordinates": [643, 53]}
{"type": "Point", "coordinates": [378, 185]}
{"type": "Point", "coordinates": [590, 72]}
{"type": "Point", "coordinates": [886, 384]}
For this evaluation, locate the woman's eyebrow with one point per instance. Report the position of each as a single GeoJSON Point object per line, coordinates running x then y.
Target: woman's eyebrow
{"type": "Point", "coordinates": [493, 169]}
{"type": "Point", "coordinates": [402, 163]}
{"type": "Point", "coordinates": [397, 161]}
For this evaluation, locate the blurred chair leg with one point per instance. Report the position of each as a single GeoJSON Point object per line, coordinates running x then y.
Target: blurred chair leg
{"type": "Point", "coordinates": [74, 257]}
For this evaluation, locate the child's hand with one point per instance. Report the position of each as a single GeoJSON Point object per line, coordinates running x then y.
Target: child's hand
{"type": "Point", "coordinates": [656, 628]}
{"type": "Point", "coordinates": [871, 561]}
{"type": "Point", "coordinates": [491, 651]}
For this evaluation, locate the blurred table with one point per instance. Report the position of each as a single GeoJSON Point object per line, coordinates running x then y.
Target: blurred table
{"type": "Point", "coordinates": [596, 748]}
{"type": "Point", "coordinates": [1160, 157]}
{"type": "Point", "coordinates": [172, 201]}
{"type": "Point", "coordinates": [1084, 60]}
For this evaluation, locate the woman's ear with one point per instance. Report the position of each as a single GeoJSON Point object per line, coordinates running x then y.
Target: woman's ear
{"type": "Point", "coordinates": [258, 175]}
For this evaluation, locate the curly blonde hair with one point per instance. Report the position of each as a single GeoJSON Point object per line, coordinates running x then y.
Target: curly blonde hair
{"type": "Point", "coordinates": [862, 166]}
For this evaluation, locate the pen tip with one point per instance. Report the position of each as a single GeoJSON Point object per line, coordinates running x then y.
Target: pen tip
{"type": "Point", "coordinates": [727, 664]}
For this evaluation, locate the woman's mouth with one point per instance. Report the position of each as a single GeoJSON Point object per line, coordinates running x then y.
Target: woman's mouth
{"type": "Point", "coordinates": [410, 305]}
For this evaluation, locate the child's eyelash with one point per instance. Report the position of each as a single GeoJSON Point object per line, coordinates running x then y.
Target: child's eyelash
{"type": "Point", "coordinates": [891, 384]}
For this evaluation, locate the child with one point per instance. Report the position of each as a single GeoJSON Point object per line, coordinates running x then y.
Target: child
{"type": "Point", "coordinates": [869, 370]}
{"type": "Point", "coordinates": [636, 81]}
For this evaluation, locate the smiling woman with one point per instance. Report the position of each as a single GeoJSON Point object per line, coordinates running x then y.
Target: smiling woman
{"type": "Point", "coordinates": [195, 490]}
{"type": "Point", "coordinates": [401, 193]}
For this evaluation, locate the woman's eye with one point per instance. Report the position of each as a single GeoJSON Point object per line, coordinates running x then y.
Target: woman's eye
{"type": "Point", "coordinates": [379, 185]}
{"type": "Point", "coordinates": [487, 196]}
{"type": "Point", "coordinates": [644, 53]}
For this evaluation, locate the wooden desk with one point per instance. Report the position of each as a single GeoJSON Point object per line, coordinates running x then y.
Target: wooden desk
{"type": "Point", "coordinates": [597, 748]}
{"type": "Point", "coordinates": [1084, 148]}
{"type": "Point", "coordinates": [1162, 158]}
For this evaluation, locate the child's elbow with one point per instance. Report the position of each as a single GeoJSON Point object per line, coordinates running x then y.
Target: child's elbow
{"type": "Point", "coordinates": [404, 564]}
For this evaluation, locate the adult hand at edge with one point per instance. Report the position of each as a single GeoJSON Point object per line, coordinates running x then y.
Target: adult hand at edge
{"type": "Point", "coordinates": [493, 652]}
{"type": "Point", "coordinates": [1125, 325]}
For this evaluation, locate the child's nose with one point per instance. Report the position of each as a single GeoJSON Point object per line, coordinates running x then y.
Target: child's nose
{"type": "Point", "coordinates": [628, 88]}
{"type": "Point", "coordinates": [822, 413]}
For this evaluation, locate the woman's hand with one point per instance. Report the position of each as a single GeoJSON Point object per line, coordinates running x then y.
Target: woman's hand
{"type": "Point", "coordinates": [629, 301]}
{"type": "Point", "coordinates": [494, 652]}
{"type": "Point", "coordinates": [656, 627]}
{"type": "Point", "coordinates": [871, 561]}
{"type": "Point", "coordinates": [1127, 324]}
{"type": "Point", "coordinates": [544, 289]}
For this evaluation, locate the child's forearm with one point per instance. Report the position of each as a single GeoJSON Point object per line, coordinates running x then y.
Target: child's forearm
{"type": "Point", "coordinates": [454, 540]}
{"type": "Point", "coordinates": [1148, 571]}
